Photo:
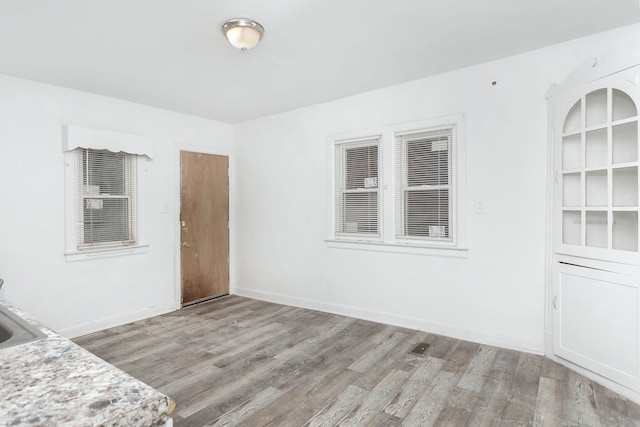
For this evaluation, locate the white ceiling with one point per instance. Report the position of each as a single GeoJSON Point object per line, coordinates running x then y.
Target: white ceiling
{"type": "Point", "coordinates": [172, 54]}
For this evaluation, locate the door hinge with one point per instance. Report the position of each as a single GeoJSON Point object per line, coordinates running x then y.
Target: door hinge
{"type": "Point", "coordinates": [555, 302]}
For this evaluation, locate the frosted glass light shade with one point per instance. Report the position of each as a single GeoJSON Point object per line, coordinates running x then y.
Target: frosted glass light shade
{"type": "Point", "coordinates": [243, 33]}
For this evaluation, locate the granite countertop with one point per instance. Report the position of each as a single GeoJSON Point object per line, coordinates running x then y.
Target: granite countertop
{"type": "Point", "coordinates": [54, 382]}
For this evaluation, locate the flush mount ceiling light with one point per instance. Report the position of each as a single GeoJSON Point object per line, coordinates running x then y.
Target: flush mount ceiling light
{"type": "Point", "coordinates": [243, 33]}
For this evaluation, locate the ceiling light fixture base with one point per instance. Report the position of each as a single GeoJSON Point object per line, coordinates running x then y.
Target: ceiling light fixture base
{"type": "Point", "coordinates": [243, 33]}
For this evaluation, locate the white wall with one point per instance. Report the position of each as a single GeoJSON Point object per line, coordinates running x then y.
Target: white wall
{"type": "Point", "coordinates": [80, 297]}
{"type": "Point", "coordinates": [496, 295]}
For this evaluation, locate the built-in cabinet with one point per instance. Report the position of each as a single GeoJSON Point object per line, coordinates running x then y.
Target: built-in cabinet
{"type": "Point", "coordinates": [595, 259]}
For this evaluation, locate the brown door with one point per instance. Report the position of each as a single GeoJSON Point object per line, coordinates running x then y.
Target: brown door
{"type": "Point", "coordinates": [204, 220]}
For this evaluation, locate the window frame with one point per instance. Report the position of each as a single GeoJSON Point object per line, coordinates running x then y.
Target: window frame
{"type": "Point", "coordinates": [402, 188]}
{"type": "Point", "coordinates": [83, 195]}
{"type": "Point", "coordinates": [140, 150]}
{"type": "Point", "coordinates": [389, 242]}
{"type": "Point", "coordinates": [343, 145]}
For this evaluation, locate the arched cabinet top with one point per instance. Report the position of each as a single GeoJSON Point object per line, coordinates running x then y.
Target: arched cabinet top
{"type": "Point", "coordinates": [596, 68]}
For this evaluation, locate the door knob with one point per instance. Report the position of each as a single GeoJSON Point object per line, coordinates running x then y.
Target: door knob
{"type": "Point", "coordinates": [186, 244]}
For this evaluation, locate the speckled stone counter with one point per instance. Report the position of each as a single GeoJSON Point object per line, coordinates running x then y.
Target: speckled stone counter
{"type": "Point", "coordinates": [54, 382]}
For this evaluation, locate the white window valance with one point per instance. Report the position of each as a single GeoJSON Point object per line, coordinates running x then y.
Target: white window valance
{"type": "Point", "coordinates": [97, 139]}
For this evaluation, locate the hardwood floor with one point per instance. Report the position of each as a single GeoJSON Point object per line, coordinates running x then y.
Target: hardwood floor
{"type": "Point", "coordinates": [238, 361]}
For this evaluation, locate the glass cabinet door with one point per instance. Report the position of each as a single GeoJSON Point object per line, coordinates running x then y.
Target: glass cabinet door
{"type": "Point", "coordinates": [599, 172]}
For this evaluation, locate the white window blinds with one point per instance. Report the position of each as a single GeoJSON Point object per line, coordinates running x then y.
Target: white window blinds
{"type": "Point", "coordinates": [357, 193]}
{"type": "Point", "coordinates": [105, 198]}
{"type": "Point", "coordinates": [423, 163]}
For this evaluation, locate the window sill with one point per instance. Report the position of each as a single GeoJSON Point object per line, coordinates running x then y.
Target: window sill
{"type": "Point", "coordinates": [452, 252]}
{"type": "Point", "coordinates": [105, 253]}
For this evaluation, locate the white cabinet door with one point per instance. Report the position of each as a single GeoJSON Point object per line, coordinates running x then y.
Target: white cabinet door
{"type": "Point", "coordinates": [596, 322]}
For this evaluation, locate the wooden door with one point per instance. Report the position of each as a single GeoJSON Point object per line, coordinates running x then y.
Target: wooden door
{"type": "Point", "coordinates": [204, 220]}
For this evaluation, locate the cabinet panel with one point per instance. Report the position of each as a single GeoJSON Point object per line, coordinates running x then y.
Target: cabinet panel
{"type": "Point", "coordinates": [596, 188]}
{"type": "Point", "coordinates": [597, 151]}
{"type": "Point", "coordinates": [623, 105]}
{"type": "Point", "coordinates": [573, 121]}
{"type": "Point", "coordinates": [625, 143]}
{"type": "Point", "coordinates": [572, 227]}
{"type": "Point", "coordinates": [625, 187]}
{"type": "Point", "coordinates": [596, 111]}
{"type": "Point", "coordinates": [597, 321]}
{"type": "Point", "coordinates": [597, 229]}
{"type": "Point", "coordinates": [571, 152]}
{"type": "Point", "coordinates": [572, 190]}
{"type": "Point", "coordinates": [625, 231]}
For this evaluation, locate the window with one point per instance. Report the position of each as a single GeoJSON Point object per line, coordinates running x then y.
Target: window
{"type": "Point", "coordinates": [423, 165]}
{"type": "Point", "coordinates": [400, 191]}
{"type": "Point", "coordinates": [105, 211]}
{"type": "Point", "coordinates": [357, 197]}
{"type": "Point", "coordinates": [102, 178]}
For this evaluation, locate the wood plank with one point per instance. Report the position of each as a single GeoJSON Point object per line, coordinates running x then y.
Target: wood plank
{"type": "Point", "coordinates": [478, 368]}
{"type": "Point", "coordinates": [376, 399]}
{"type": "Point", "coordinates": [549, 409]}
{"type": "Point", "coordinates": [523, 394]}
{"type": "Point", "coordinates": [308, 348]}
{"type": "Point", "coordinates": [338, 409]}
{"type": "Point", "coordinates": [583, 412]}
{"type": "Point", "coordinates": [489, 407]}
{"type": "Point", "coordinates": [373, 357]}
{"type": "Point", "coordinates": [427, 410]}
{"type": "Point", "coordinates": [245, 410]}
{"type": "Point", "coordinates": [415, 388]}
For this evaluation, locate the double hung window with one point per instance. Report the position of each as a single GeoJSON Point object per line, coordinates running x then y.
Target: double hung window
{"type": "Point", "coordinates": [423, 163]}
{"type": "Point", "coordinates": [357, 203]}
{"type": "Point", "coordinates": [105, 198]}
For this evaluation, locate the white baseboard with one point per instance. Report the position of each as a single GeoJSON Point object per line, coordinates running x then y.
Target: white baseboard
{"type": "Point", "coordinates": [98, 325]}
{"type": "Point", "coordinates": [534, 347]}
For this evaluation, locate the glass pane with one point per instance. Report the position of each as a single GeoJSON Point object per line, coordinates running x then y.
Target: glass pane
{"type": "Point", "coordinates": [105, 220]}
{"type": "Point", "coordinates": [597, 148]}
{"type": "Point", "coordinates": [623, 105]}
{"type": "Point", "coordinates": [359, 213]}
{"type": "Point", "coordinates": [597, 229]}
{"type": "Point", "coordinates": [625, 187]}
{"type": "Point", "coordinates": [596, 188]}
{"type": "Point", "coordinates": [426, 213]}
{"type": "Point", "coordinates": [361, 167]}
{"type": "Point", "coordinates": [571, 152]}
{"type": "Point", "coordinates": [625, 143]}
{"type": "Point", "coordinates": [428, 161]}
{"type": "Point", "coordinates": [596, 111]}
{"type": "Point", "coordinates": [572, 227]}
{"type": "Point", "coordinates": [573, 121]}
{"type": "Point", "coordinates": [625, 231]}
{"type": "Point", "coordinates": [571, 190]}
{"type": "Point", "coordinates": [103, 172]}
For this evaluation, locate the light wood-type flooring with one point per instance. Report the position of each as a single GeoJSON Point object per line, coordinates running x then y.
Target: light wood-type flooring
{"type": "Point", "coordinates": [238, 361]}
